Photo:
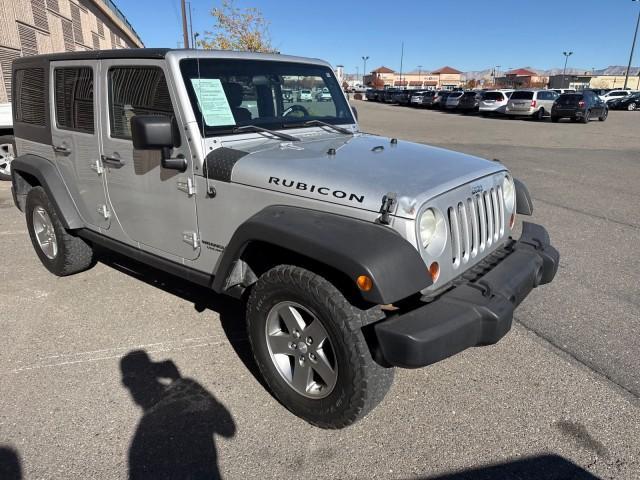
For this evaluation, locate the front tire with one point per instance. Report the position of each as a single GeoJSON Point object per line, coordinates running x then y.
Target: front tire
{"type": "Point", "coordinates": [555, 118]}
{"type": "Point", "coordinates": [60, 252]}
{"type": "Point", "coordinates": [308, 343]}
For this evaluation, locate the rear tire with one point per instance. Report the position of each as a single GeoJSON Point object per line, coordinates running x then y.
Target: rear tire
{"type": "Point", "coordinates": [60, 252]}
{"type": "Point", "coordinates": [333, 397]}
{"type": "Point", "coordinates": [539, 115]}
{"type": "Point", "coordinates": [586, 117]}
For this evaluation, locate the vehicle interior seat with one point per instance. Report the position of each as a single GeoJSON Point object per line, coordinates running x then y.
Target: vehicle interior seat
{"type": "Point", "coordinates": [234, 97]}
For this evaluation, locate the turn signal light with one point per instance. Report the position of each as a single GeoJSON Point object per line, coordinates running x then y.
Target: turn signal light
{"type": "Point", "coordinates": [434, 271]}
{"type": "Point", "coordinates": [364, 283]}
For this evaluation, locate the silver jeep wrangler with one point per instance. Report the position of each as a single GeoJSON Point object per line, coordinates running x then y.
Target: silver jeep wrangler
{"type": "Point", "coordinates": [354, 253]}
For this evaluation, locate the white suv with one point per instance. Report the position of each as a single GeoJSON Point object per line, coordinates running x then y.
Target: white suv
{"type": "Point", "coordinates": [614, 95]}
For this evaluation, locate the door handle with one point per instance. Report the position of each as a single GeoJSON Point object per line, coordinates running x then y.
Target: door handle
{"type": "Point", "coordinates": [62, 149]}
{"type": "Point", "coordinates": [110, 161]}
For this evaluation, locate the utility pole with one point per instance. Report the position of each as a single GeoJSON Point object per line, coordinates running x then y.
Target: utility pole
{"type": "Point", "coordinates": [420, 75]}
{"type": "Point", "coordinates": [633, 46]}
{"type": "Point", "coordinates": [564, 70]}
{"type": "Point", "coordinates": [401, 59]}
{"type": "Point", "coordinates": [193, 42]}
{"type": "Point", "coordinates": [364, 67]}
{"type": "Point", "coordinates": [185, 30]}
{"type": "Point", "coordinates": [358, 74]}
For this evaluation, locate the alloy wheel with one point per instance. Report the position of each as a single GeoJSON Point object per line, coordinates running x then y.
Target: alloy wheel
{"type": "Point", "coordinates": [300, 349]}
{"type": "Point", "coordinates": [7, 154]}
{"type": "Point", "coordinates": [45, 233]}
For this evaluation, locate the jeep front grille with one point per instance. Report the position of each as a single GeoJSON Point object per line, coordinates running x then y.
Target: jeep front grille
{"type": "Point", "coordinates": [476, 224]}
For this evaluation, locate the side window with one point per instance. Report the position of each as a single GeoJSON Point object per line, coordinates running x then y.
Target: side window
{"type": "Point", "coordinates": [30, 101]}
{"type": "Point", "coordinates": [74, 99]}
{"type": "Point", "coordinates": [136, 91]}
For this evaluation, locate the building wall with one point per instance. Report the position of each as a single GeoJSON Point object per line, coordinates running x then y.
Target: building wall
{"type": "Point", "coordinates": [614, 81]}
{"type": "Point", "coordinates": [31, 27]}
{"type": "Point", "coordinates": [413, 79]}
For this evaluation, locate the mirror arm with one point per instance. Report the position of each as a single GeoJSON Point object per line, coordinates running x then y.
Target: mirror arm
{"type": "Point", "coordinates": [178, 163]}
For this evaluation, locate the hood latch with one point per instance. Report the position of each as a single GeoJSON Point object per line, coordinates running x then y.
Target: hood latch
{"type": "Point", "coordinates": [388, 204]}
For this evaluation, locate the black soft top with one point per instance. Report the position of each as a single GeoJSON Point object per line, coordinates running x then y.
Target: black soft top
{"type": "Point", "coordinates": [157, 53]}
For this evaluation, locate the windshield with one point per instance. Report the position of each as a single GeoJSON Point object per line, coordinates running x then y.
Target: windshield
{"type": "Point", "coordinates": [226, 94]}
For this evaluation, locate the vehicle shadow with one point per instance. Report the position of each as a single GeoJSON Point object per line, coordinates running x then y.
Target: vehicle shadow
{"type": "Point", "coordinates": [175, 436]}
{"type": "Point", "coordinates": [230, 310]}
{"type": "Point", "coordinates": [10, 468]}
{"type": "Point", "coordinates": [542, 467]}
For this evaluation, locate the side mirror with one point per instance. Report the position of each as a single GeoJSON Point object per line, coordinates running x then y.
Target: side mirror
{"type": "Point", "coordinates": [355, 112]}
{"type": "Point", "coordinates": [156, 132]}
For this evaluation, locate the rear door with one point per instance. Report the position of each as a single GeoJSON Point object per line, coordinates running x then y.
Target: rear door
{"type": "Point", "coordinates": [155, 207]}
{"type": "Point", "coordinates": [75, 137]}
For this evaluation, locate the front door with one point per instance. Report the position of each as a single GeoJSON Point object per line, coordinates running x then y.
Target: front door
{"type": "Point", "coordinates": [75, 137]}
{"type": "Point", "coordinates": [155, 207]}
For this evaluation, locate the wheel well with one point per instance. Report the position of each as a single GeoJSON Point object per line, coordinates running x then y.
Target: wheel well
{"type": "Point", "coordinates": [260, 257]}
{"type": "Point", "coordinates": [23, 182]}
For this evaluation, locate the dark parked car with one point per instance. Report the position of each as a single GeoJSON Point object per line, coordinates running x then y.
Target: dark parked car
{"type": "Point", "coordinates": [630, 103]}
{"type": "Point", "coordinates": [403, 97]}
{"type": "Point", "coordinates": [470, 102]}
{"type": "Point", "coordinates": [388, 95]}
{"type": "Point", "coordinates": [579, 107]}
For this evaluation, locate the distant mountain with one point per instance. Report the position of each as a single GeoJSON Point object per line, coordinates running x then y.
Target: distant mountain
{"type": "Point", "coordinates": [611, 70]}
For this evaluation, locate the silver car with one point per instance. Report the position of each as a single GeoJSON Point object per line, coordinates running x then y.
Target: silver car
{"type": "Point", "coordinates": [494, 101]}
{"type": "Point", "coordinates": [453, 99]}
{"type": "Point", "coordinates": [191, 161]}
{"type": "Point", "coordinates": [531, 103]}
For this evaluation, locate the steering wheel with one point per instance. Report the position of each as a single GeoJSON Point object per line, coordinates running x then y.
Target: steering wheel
{"type": "Point", "coordinates": [296, 108]}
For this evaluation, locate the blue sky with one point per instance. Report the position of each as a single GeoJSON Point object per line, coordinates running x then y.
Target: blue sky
{"type": "Point", "coordinates": [465, 34]}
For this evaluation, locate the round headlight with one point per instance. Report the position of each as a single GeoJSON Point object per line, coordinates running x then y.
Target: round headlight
{"type": "Point", "coordinates": [427, 227]}
{"type": "Point", "coordinates": [509, 193]}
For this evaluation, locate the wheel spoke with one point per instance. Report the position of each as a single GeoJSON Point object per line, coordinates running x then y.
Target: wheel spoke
{"type": "Point", "coordinates": [279, 343]}
{"type": "Point", "coordinates": [301, 375]}
{"type": "Point", "coordinates": [43, 238]}
{"type": "Point", "coordinates": [317, 332]}
{"type": "Point", "coordinates": [291, 318]}
{"type": "Point", "coordinates": [322, 368]}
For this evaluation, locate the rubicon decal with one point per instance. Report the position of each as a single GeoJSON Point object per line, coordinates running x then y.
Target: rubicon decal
{"type": "Point", "coordinates": [305, 187]}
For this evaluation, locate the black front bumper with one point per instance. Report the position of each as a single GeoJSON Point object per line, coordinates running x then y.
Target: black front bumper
{"type": "Point", "coordinates": [473, 313]}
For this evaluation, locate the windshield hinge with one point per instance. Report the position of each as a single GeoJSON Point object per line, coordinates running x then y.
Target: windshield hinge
{"type": "Point", "coordinates": [388, 203]}
{"type": "Point", "coordinates": [191, 238]}
{"type": "Point", "coordinates": [186, 186]}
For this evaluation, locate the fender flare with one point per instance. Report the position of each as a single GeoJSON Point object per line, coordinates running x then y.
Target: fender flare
{"type": "Point", "coordinates": [49, 178]}
{"type": "Point", "coordinates": [351, 246]}
{"type": "Point", "coordinates": [524, 204]}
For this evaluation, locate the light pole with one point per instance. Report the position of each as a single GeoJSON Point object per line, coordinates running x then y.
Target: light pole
{"type": "Point", "coordinates": [420, 75]}
{"type": "Point", "coordinates": [495, 75]}
{"type": "Point", "coordinates": [633, 45]}
{"type": "Point", "coordinates": [357, 73]}
{"type": "Point", "coordinates": [564, 70]}
{"type": "Point", "coordinates": [364, 67]}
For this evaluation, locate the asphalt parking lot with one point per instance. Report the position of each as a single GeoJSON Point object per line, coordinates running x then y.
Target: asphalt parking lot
{"type": "Point", "coordinates": [557, 398]}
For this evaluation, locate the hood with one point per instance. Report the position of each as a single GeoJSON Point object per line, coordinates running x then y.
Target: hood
{"type": "Point", "coordinates": [362, 170]}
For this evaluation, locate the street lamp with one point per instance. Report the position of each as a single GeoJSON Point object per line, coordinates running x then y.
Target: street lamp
{"type": "Point", "coordinates": [564, 70]}
{"type": "Point", "coordinates": [364, 67]}
{"type": "Point", "coordinates": [635, 35]}
{"type": "Point", "coordinates": [420, 75]}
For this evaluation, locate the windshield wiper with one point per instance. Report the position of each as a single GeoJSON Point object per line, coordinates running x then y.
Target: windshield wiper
{"type": "Point", "coordinates": [325, 124]}
{"type": "Point", "coordinates": [255, 128]}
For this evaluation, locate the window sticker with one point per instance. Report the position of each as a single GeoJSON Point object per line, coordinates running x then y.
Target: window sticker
{"type": "Point", "coordinates": [213, 102]}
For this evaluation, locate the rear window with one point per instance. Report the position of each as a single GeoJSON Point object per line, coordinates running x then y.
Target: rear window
{"type": "Point", "coordinates": [493, 96]}
{"type": "Point", "coordinates": [455, 94]}
{"type": "Point", "coordinates": [30, 101]}
{"type": "Point", "coordinates": [522, 95]}
{"type": "Point", "coordinates": [569, 99]}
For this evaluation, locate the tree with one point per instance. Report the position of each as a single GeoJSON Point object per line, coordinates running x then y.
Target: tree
{"type": "Point", "coordinates": [243, 29]}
